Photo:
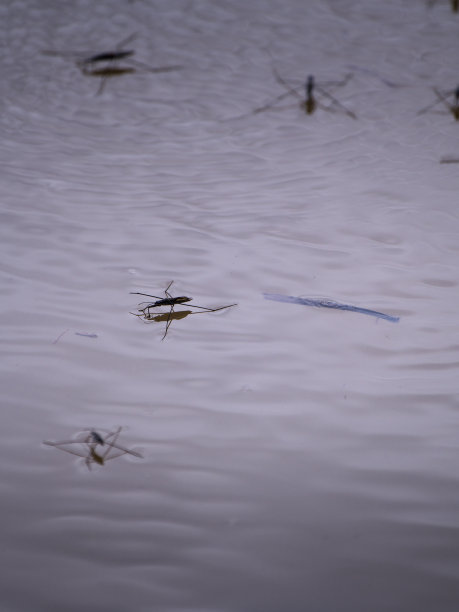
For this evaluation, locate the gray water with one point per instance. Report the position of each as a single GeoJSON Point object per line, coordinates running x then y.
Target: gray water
{"type": "Point", "coordinates": [294, 459]}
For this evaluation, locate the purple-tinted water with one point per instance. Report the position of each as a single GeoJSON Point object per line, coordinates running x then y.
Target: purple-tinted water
{"type": "Point", "coordinates": [293, 459]}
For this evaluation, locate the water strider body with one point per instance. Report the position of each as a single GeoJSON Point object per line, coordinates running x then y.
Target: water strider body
{"type": "Point", "coordinates": [108, 56]}
{"type": "Point", "coordinates": [97, 438]}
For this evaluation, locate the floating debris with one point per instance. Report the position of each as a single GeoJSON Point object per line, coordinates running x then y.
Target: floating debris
{"type": "Point", "coordinates": [320, 303]}
{"type": "Point", "coordinates": [86, 335]}
{"type": "Point", "coordinates": [60, 336]}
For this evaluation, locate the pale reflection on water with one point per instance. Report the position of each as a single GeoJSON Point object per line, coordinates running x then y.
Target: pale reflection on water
{"type": "Point", "coordinates": [292, 458]}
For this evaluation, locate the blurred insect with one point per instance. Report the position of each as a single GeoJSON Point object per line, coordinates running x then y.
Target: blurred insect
{"type": "Point", "coordinates": [171, 301]}
{"type": "Point", "coordinates": [454, 4]}
{"type": "Point", "coordinates": [89, 447]}
{"type": "Point", "coordinates": [442, 98]}
{"type": "Point", "coordinates": [310, 101]}
{"type": "Point", "coordinates": [105, 64]}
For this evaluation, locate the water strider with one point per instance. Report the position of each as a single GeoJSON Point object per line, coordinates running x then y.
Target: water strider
{"type": "Point", "coordinates": [104, 65]}
{"type": "Point", "coordinates": [89, 447]}
{"type": "Point", "coordinates": [171, 301]}
{"type": "Point", "coordinates": [310, 100]}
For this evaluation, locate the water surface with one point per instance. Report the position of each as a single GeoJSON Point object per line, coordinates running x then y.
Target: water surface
{"type": "Point", "coordinates": [293, 459]}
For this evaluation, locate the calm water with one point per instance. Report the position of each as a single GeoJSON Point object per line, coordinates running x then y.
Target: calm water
{"type": "Point", "coordinates": [294, 458]}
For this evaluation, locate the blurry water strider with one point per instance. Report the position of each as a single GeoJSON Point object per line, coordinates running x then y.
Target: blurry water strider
{"type": "Point", "coordinates": [104, 64]}
{"type": "Point", "coordinates": [308, 102]}
{"type": "Point", "coordinates": [321, 303]}
{"type": "Point", "coordinates": [87, 447]}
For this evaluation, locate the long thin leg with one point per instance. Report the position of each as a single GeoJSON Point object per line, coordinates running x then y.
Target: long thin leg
{"type": "Point", "coordinates": [166, 290]}
{"type": "Point", "coordinates": [261, 109]}
{"type": "Point", "coordinates": [337, 102]}
{"type": "Point", "coordinates": [103, 80]}
{"type": "Point", "coordinates": [67, 450]}
{"type": "Point", "coordinates": [294, 92]}
{"type": "Point", "coordinates": [111, 444]}
{"type": "Point", "coordinates": [72, 441]}
{"type": "Point", "coordinates": [221, 308]}
{"type": "Point", "coordinates": [114, 443]}
{"type": "Point", "coordinates": [271, 104]}
{"type": "Point", "coordinates": [126, 41]}
{"type": "Point", "coordinates": [443, 99]}
{"type": "Point", "coordinates": [169, 321]}
{"type": "Point", "coordinates": [153, 69]}
{"type": "Point", "coordinates": [145, 294]}
{"type": "Point", "coordinates": [211, 309]}
{"type": "Point", "coordinates": [440, 98]}
{"type": "Point", "coordinates": [336, 84]}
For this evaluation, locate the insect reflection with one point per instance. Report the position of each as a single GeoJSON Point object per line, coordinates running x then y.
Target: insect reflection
{"type": "Point", "coordinates": [94, 448]}
{"type": "Point", "coordinates": [311, 100]}
{"type": "Point", "coordinates": [442, 98]}
{"type": "Point", "coordinates": [171, 301]}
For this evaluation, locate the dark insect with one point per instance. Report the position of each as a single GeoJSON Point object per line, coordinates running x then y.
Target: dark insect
{"type": "Point", "coordinates": [171, 301]}
{"type": "Point", "coordinates": [88, 447]}
{"type": "Point", "coordinates": [310, 100]}
{"type": "Point", "coordinates": [104, 65]}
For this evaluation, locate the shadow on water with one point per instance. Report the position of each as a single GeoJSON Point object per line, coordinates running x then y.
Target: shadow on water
{"type": "Point", "coordinates": [310, 101]}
